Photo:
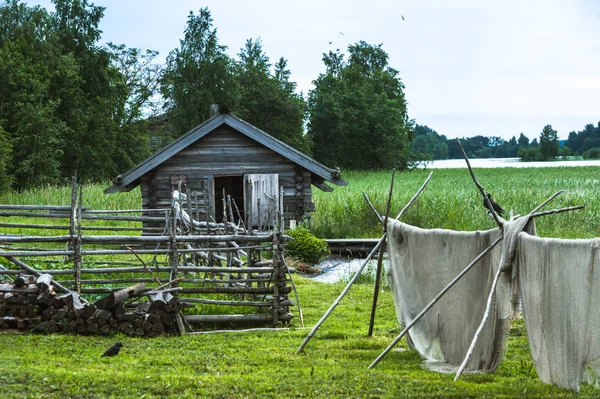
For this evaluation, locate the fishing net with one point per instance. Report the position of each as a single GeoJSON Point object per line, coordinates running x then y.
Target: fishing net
{"type": "Point", "coordinates": [560, 289]}
{"type": "Point", "coordinates": [422, 263]}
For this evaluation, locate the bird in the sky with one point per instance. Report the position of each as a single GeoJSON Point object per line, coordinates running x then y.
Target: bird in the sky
{"type": "Point", "coordinates": [113, 350]}
{"type": "Point", "coordinates": [497, 208]}
{"type": "Point", "coordinates": [330, 42]}
{"type": "Point", "coordinates": [342, 33]}
{"type": "Point", "coordinates": [404, 19]}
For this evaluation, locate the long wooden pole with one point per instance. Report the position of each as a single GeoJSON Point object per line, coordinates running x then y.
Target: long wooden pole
{"type": "Point", "coordinates": [483, 320]}
{"type": "Point", "coordinates": [433, 302]}
{"type": "Point", "coordinates": [339, 298]}
{"type": "Point", "coordinates": [380, 258]}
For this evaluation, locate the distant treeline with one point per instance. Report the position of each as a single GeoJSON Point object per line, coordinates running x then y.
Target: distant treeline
{"type": "Point", "coordinates": [430, 145]}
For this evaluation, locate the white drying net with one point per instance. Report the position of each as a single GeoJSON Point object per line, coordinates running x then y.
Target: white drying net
{"type": "Point", "coordinates": [560, 289]}
{"type": "Point", "coordinates": [422, 263]}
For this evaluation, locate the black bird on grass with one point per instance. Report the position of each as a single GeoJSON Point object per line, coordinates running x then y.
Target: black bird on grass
{"type": "Point", "coordinates": [496, 207]}
{"type": "Point", "coordinates": [113, 350]}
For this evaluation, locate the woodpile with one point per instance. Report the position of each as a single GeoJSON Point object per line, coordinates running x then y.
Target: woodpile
{"type": "Point", "coordinates": [30, 303]}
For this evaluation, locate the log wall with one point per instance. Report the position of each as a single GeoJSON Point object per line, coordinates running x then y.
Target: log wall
{"type": "Point", "coordinates": [225, 152]}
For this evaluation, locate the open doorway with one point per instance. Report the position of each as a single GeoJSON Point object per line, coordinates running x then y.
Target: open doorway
{"type": "Point", "coordinates": [234, 187]}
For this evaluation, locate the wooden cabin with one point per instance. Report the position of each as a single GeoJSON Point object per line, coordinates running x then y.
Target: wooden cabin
{"type": "Point", "coordinates": [227, 157]}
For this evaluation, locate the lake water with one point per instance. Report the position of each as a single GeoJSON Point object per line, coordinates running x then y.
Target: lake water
{"type": "Point", "coordinates": [334, 269]}
{"type": "Point", "coordinates": [506, 163]}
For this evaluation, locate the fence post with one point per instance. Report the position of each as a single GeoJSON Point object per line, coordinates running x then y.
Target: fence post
{"type": "Point", "coordinates": [276, 277]}
{"type": "Point", "coordinates": [74, 233]}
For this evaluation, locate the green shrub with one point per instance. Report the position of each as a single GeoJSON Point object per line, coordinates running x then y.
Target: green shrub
{"type": "Point", "coordinates": [306, 246]}
{"type": "Point", "coordinates": [592, 153]}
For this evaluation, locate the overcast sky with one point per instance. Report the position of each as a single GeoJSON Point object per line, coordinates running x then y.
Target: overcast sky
{"type": "Point", "coordinates": [495, 68]}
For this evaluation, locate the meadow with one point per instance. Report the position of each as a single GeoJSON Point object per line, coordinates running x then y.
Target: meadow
{"type": "Point", "coordinates": [334, 364]}
{"type": "Point", "coordinates": [452, 201]}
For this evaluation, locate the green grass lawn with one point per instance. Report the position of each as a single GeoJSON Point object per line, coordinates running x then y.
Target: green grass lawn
{"type": "Point", "coordinates": [260, 364]}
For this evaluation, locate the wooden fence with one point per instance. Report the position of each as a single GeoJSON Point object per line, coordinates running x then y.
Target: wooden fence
{"type": "Point", "coordinates": [213, 266]}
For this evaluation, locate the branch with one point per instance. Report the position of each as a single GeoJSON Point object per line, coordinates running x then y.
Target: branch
{"type": "Point", "coordinates": [413, 199]}
{"type": "Point", "coordinates": [553, 211]}
{"type": "Point", "coordinates": [479, 186]}
{"type": "Point", "coordinates": [145, 266]}
{"type": "Point", "coordinates": [372, 207]}
{"type": "Point", "coordinates": [537, 208]}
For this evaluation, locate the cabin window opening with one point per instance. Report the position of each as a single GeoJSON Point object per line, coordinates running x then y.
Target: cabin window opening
{"type": "Point", "coordinates": [234, 187]}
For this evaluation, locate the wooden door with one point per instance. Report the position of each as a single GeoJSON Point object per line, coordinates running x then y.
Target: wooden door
{"type": "Point", "coordinates": [261, 193]}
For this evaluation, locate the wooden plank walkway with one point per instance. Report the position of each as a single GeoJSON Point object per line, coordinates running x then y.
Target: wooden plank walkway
{"type": "Point", "coordinates": [352, 247]}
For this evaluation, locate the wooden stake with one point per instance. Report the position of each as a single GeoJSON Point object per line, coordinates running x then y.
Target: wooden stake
{"type": "Point", "coordinates": [380, 258]}
{"type": "Point", "coordinates": [339, 298]}
{"type": "Point", "coordinates": [366, 197]}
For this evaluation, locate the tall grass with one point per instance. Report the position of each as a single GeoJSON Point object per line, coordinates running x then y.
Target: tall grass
{"type": "Point", "coordinates": [93, 196]}
{"type": "Point", "coordinates": [452, 201]}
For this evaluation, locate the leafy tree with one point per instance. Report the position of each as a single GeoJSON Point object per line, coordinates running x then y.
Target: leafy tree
{"type": "Point", "coordinates": [198, 74]}
{"type": "Point", "coordinates": [139, 80]}
{"type": "Point", "coordinates": [428, 142]}
{"type": "Point", "coordinates": [549, 143]}
{"type": "Point", "coordinates": [5, 160]}
{"type": "Point", "coordinates": [523, 141]}
{"type": "Point", "coordinates": [64, 105]}
{"type": "Point", "coordinates": [565, 151]}
{"type": "Point", "coordinates": [581, 141]}
{"type": "Point", "coordinates": [358, 117]}
{"type": "Point", "coordinates": [269, 101]}
{"type": "Point", "coordinates": [28, 64]}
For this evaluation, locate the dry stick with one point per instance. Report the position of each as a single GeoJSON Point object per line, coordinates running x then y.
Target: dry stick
{"type": "Point", "coordinates": [560, 210]}
{"type": "Point", "coordinates": [433, 301]}
{"type": "Point", "coordinates": [485, 197]}
{"type": "Point", "coordinates": [145, 266]}
{"type": "Point", "coordinates": [339, 298]}
{"type": "Point", "coordinates": [372, 207]}
{"type": "Point", "coordinates": [380, 258]}
{"type": "Point", "coordinates": [540, 206]}
{"type": "Point", "coordinates": [488, 307]}
{"type": "Point", "coordinates": [295, 292]}
{"type": "Point", "coordinates": [413, 199]}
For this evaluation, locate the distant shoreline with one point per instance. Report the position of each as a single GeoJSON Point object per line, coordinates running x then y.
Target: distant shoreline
{"type": "Point", "coordinates": [506, 163]}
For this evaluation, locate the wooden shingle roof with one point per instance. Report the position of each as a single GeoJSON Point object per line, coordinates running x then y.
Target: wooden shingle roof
{"type": "Point", "coordinates": [130, 179]}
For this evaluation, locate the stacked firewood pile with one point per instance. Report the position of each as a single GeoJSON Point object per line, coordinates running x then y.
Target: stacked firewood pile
{"type": "Point", "coordinates": [30, 303]}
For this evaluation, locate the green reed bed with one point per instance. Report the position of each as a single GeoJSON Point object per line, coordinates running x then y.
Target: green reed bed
{"type": "Point", "coordinates": [452, 201]}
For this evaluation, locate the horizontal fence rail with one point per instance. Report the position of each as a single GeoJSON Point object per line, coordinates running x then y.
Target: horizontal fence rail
{"type": "Point", "coordinates": [216, 264]}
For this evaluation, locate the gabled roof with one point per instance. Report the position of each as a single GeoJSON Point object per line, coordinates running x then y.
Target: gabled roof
{"type": "Point", "coordinates": [130, 179]}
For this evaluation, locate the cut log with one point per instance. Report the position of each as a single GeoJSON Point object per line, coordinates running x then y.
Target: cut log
{"type": "Point", "coordinates": [24, 279]}
{"type": "Point", "coordinates": [120, 296]}
{"type": "Point", "coordinates": [44, 280]}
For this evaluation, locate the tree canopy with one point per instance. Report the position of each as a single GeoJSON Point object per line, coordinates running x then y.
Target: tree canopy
{"type": "Point", "coordinates": [357, 111]}
{"type": "Point", "coordinates": [62, 99]}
